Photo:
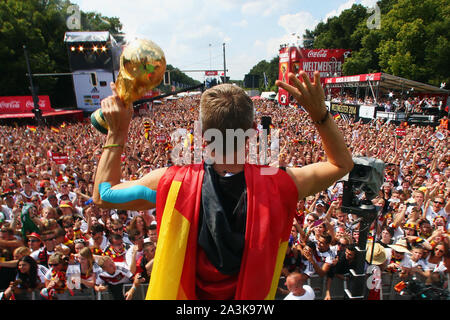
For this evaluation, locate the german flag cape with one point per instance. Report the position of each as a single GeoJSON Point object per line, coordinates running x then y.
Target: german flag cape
{"type": "Point", "coordinates": [271, 205]}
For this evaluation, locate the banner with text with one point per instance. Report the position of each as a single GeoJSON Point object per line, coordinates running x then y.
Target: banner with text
{"type": "Point", "coordinates": [23, 104]}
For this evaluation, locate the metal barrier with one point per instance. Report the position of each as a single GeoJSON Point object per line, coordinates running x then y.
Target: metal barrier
{"type": "Point", "coordinates": [139, 293]}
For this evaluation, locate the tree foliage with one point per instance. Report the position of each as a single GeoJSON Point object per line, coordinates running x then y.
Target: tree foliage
{"type": "Point", "coordinates": [40, 25]}
{"type": "Point", "coordinates": [413, 41]}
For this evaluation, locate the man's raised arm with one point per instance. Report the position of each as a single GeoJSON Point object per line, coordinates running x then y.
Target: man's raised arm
{"type": "Point", "coordinates": [109, 192]}
{"type": "Point", "coordinates": [316, 177]}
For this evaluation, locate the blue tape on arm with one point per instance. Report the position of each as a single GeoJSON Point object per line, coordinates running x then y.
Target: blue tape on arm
{"type": "Point", "coordinates": [127, 194]}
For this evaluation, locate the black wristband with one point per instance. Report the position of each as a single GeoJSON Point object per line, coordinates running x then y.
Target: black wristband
{"type": "Point", "coordinates": [318, 123]}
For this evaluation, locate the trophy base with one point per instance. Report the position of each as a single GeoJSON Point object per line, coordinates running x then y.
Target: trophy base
{"type": "Point", "coordinates": [98, 121]}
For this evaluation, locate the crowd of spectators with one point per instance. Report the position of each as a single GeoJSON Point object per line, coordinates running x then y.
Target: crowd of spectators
{"type": "Point", "coordinates": [391, 102]}
{"type": "Point", "coordinates": [55, 241]}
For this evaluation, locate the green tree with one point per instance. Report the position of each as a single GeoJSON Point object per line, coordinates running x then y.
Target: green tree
{"type": "Point", "coordinates": [412, 41]}
{"type": "Point", "coordinates": [40, 25]}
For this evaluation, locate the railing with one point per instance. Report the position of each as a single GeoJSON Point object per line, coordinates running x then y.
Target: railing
{"type": "Point", "coordinates": [337, 290]}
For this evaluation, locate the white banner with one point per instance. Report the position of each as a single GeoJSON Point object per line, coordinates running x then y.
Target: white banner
{"type": "Point", "coordinates": [367, 112]}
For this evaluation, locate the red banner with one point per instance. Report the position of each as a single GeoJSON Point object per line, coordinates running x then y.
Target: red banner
{"type": "Point", "coordinates": [401, 132]}
{"type": "Point", "coordinates": [161, 138]}
{"type": "Point", "coordinates": [356, 78]}
{"type": "Point", "coordinates": [211, 73]}
{"type": "Point", "coordinates": [23, 104]}
{"type": "Point", "coordinates": [293, 59]}
{"type": "Point", "coordinates": [59, 158]}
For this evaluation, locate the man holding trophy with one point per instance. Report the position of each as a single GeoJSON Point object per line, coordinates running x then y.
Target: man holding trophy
{"type": "Point", "coordinates": [223, 226]}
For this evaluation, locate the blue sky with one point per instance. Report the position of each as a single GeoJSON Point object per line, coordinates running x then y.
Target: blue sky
{"type": "Point", "coordinates": [191, 32]}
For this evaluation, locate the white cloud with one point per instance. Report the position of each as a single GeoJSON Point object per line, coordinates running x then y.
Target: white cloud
{"type": "Point", "coordinates": [264, 8]}
{"type": "Point", "coordinates": [252, 8]}
{"type": "Point", "coordinates": [297, 23]}
{"type": "Point", "coordinates": [342, 7]}
{"type": "Point", "coordinates": [241, 24]}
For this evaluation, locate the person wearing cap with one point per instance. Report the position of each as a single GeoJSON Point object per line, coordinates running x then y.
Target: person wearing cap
{"type": "Point", "coordinates": [34, 241]}
{"type": "Point", "coordinates": [66, 208]}
{"type": "Point", "coordinates": [398, 257]}
{"type": "Point", "coordinates": [320, 208]}
{"type": "Point", "coordinates": [41, 255]}
{"type": "Point", "coordinates": [375, 256]}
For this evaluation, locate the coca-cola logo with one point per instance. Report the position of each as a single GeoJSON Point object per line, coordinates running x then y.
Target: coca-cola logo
{"type": "Point", "coordinates": [29, 104]}
{"type": "Point", "coordinates": [10, 105]}
{"type": "Point", "coordinates": [318, 54]}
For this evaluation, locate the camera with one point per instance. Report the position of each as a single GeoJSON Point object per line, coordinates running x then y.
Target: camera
{"type": "Point", "coordinates": [362, 185]}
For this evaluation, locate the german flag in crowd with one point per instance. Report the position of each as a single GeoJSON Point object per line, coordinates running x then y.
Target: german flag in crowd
{"type": "Point", "coordinates": [31, 128]}
{"type": "Point", "coordinates": [54, 129]}
{"type": "Point", "coordinates": [337, 116]}
{"type": "Point", "coordinates": [63, 125]}
{"type": "Point", "coordinates": [147, 130]}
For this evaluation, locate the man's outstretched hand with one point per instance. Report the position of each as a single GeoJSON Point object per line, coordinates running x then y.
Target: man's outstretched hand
{"type": "Point", "coordinates": [309, 95]}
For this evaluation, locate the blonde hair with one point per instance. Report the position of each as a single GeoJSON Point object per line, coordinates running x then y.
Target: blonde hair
{"type": "Point", "coordinates": [224, 107]}
{"type": "Point", "coordinates": [101, 260]}
{"type": "Point", "coordinates": [23, 251]}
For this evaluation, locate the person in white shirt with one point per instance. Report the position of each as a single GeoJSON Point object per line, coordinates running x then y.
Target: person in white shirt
{"type": "Point", "coordinates": [298, 290]}
{"type": "Point", "coordinates": [28, 192]}
{"type": "Point", "coordinates": [7, 208]}
{"type": "Point", "coordinates": [64, 190]}
{"type": "Point", "coordinates": [320, 259]}
{"type": "Point", "coordinates": [436, 209]}
{"type": "Point", "coordinates": [136, 249]}
{"type": "Point", "coordinates": [112, 277]}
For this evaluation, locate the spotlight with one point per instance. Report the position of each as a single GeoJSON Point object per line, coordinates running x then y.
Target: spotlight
{"type": "Point", "coordinates": [95, 48]}
{"type": "Point", "coordinates": [104, 48]}
{"type": "Point", "coordinates": [72, 48]}
{"type": "Point", "coordinates": [80, 48]}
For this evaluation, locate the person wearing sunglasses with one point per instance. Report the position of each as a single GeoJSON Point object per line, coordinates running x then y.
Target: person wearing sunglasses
{"type": "Point", "coordinates": [43, 254]}
{"type": "Point", "coordinates": [55, 278]}
{"type": "Point", "coordinates": [34, 241]}
{"type": "Point", "coordinates": [437, 207]}
{"type": "Point", "coordinates": [117, 227]}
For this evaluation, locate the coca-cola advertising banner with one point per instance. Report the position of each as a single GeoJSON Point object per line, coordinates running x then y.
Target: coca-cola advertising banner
{"type": "Point", "coordinates": [23, 104]}
{"type": "Point", "coordinates": [293, 59]}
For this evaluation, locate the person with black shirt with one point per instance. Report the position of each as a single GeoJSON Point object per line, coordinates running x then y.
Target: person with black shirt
{"type": "Point", "coordinates": [345, 261]}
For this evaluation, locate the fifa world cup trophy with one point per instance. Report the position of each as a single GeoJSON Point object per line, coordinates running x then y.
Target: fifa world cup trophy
{"type": "Point", "coordinates": [142, 67]}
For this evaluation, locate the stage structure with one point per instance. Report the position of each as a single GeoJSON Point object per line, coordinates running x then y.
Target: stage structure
{"type": "Point", "coordinates": [94, 63]}
{"type": "Point", "coordinates": [379, 86]}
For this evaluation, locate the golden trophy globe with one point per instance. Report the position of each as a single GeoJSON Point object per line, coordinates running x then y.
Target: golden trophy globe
{"type": "Point", "coordinates": [142, 67]}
